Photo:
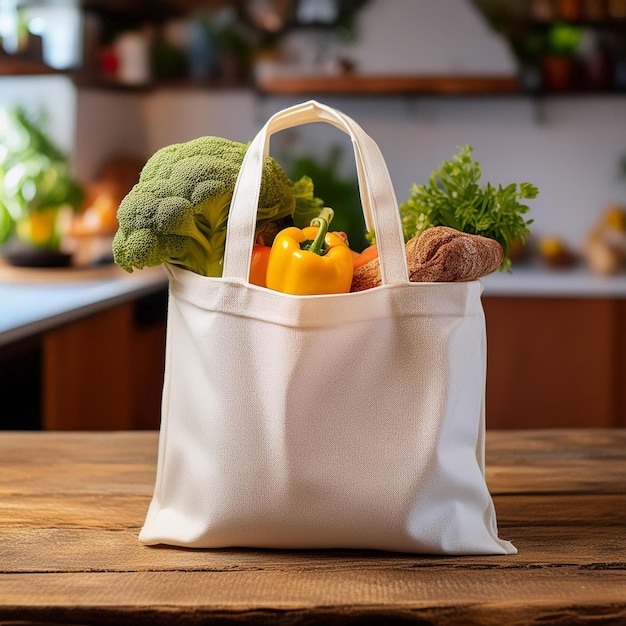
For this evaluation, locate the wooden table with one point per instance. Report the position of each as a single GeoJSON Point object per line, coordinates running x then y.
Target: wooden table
{"type": "Point", "coordinates": [71, 505]}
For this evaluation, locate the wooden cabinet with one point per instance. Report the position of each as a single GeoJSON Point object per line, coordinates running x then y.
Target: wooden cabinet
{"type": "Point", "coordinates": [103, 371]}
{"type": "Point", "coordinates": [555, 362]}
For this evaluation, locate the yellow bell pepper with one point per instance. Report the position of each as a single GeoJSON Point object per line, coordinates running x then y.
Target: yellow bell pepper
{"type": "Point", "coordinates": [310, 261]}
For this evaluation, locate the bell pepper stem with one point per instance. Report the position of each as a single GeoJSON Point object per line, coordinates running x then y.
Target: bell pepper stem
{"type": "Point", "coordinates": [322, 221]}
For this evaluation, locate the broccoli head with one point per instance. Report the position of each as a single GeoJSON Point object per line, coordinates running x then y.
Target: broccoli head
{"type": "Point", "coordinates": [178, 210]}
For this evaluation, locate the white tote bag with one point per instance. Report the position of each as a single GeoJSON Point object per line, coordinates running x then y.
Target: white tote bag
{"type": "Point", "coordinates": [333, 421]}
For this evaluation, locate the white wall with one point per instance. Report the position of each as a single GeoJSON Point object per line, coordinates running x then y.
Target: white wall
{"type": "Point", "coordinates": [413, 37]}
{"type": "Point", "coordinates": [53, 95]}
{"type": "Point", "coordinates": [108, 124]}
{"type": "Point", "coordinates": [174, 116]}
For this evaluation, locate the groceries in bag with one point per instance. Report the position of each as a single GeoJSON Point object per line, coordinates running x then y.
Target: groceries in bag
{"type": "Point", "coordinates": [455, 230]}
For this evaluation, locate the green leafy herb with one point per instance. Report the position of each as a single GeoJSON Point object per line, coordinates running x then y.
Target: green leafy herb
{"type": "Point", "coordinates": [453, 197]}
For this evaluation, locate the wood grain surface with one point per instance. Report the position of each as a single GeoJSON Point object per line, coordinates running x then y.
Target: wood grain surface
{"type": "Point", "coordinates": [72, 504]}
{"type": "Point", "coordinates": [384, 85]}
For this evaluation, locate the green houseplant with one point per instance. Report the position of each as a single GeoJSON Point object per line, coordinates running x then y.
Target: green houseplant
{"type": "Point", "coordinates": [560, 62]}
{"type": "Point", "coordinates": [37, 191]}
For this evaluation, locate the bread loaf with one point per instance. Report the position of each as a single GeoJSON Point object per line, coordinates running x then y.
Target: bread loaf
{"type": "Point", "coordinates": [440, 254]}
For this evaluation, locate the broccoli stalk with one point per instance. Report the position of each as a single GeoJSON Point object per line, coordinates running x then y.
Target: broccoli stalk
{"type": "Point", "coordinates": [178, 211]}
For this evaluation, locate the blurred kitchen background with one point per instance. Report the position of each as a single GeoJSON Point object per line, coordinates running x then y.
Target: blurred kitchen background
{"type": "Point", "coordinates": [537, 87]}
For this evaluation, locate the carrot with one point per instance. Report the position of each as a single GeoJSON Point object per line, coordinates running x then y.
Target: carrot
{"type": "Point", "coordinates": [368, 254]}
{"type": "Point", "coordinates": [258, 265]}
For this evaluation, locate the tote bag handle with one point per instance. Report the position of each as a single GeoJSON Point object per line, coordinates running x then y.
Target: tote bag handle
{"type": "Point", "coordinates": [378, 199]}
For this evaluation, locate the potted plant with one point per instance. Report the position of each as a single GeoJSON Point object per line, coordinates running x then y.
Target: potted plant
{"type": "Point", "coordinates": [560, 62]}
{"type": "Point", "coordinates": [38, 194]}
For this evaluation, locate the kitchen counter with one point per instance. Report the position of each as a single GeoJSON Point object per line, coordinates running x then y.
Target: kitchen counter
{"type": "Point", "coordinates": [82, 348]}
{"type": "Point", "coordinates": [537, 281]}
{"type": "Point", "coordinates": [33, 301]}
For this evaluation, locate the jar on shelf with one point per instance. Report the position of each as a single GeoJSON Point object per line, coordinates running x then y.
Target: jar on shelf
{"type": "Point", "coordinates": [594, 10]}
{"type": "Point", "coordinates": [570, 10]}
{"type": "Point", "coordinates": [616, 9]}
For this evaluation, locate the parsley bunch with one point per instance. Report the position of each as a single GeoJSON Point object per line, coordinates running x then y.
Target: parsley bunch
{"type": "Point", "coordinates": [454, 198]}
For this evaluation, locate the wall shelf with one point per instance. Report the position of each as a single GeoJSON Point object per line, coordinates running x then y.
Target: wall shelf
{"type": "Point", "coordinates": [385, 85]}
{"type": "Point", "coordinates": [16, 66]}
